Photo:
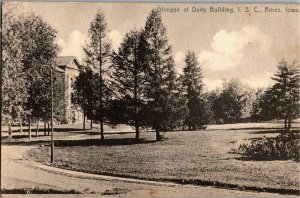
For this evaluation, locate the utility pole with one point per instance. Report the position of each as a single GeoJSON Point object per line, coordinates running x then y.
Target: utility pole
{"type": "Point", "coordinates": [52, 134]}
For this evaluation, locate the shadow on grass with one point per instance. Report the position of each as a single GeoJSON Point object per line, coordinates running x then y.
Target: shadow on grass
{"type": "Point", "coordinates": [84, 142]}
{"type": "Point", "coordinates": [24, 138]}
{"type": "Point", "coordinates": [105, 142]}
{"type": "Point", "coordinates": [274, 131]}
{"type": "Point", "coordinates": [253, 128]}
{"type": "Point", "coordinates": [109, 133]}
{"type": "Point", "coordinates": [267, 158]}
{"type": "Point", "coordinates": [70, 130]}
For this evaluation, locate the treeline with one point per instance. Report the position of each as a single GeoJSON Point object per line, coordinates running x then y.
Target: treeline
{"type": "Point", "coordinates": [236, 102]}
{"type": "Point", "coordinates": [137, 85]}
{"type": "Point", "coordinates": [28, 54]}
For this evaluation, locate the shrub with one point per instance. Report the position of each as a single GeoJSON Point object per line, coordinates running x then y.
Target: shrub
{"type": "Point", "coordinates": [284, 146]}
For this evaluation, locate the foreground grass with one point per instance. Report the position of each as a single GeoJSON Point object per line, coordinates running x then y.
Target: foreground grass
{"type": "Point", "coordinates": [187, 156]}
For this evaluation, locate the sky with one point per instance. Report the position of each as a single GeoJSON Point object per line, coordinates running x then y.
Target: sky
{"type": "Point", "coordinates": [243, 44]}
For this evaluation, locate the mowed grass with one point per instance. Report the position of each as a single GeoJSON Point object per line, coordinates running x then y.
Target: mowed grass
{"type": "Point", "coordinates": [184, 155]}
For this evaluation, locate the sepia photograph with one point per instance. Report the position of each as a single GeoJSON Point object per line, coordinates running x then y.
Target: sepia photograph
{"type": "Point", "coordinates": [155, 100]}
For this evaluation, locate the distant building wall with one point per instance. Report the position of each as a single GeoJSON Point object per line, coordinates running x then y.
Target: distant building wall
{"type": "Point", "coordinates": [70, 66]}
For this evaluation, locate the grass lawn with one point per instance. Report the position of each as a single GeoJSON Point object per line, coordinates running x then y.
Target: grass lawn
{"type": "Point", "coordinates": [191, 156]}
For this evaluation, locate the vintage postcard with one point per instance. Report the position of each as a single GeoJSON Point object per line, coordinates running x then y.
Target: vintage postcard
{"type": "Point", "coordinates": [150, 99]}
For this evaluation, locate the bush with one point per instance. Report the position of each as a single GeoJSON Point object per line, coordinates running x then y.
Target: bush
{"type": "Point", "coordinates": [284, 146]}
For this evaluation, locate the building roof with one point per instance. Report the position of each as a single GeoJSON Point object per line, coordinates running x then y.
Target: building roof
{"type": "Point", "coordinates": [63, 61]}
{"type": "Point", "coordinates": [57, 69]}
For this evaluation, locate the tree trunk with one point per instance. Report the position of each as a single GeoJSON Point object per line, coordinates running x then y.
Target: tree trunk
{"type": "Point", "coordinates": [29, 129]}
{"type": "Point", "coordinates": [289, 124]}
{"type": "Point", "coordinates": [45, 131]}
{"type": "Point", "coordinates": [158, 137]}
{"type": "Point", "coordinates": [21, 126]}
{"type": "Point", "coordinates": [9, 130]}
{"type": "Point", "coordinates": [48, 128]}
{"type": "Point", "coordinates": [91, 124]}
{"type": "Point", "coordinates": [285, 124]}
{"type": "Point", "coordinates": [37, 129]}
{"type": "Point", "coordinates": [102, 131]}
{"type": "Point", "coordinates": [137, 132]}
{"type": "Point", "coordinates": [83, 121]}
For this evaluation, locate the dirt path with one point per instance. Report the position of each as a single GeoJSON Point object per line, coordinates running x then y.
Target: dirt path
{"type": "Point", "coordinates": [17, 173]}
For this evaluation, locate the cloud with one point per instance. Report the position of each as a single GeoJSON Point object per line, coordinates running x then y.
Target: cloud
{"type": "Point", "coordinates": [179, 61]}
{"type": "Point", "coordinates": [229, 49]}
{"type": "Point", "coordinates": [116, 39]}
{"type": "Point", "coordinates": [212, 84]}
{"type": "Point", "coordinates": [73, 45]}
{"type": "Point", "coordinates": [76, 40]}
{"type": "Point", "coordinates": [262, 80]}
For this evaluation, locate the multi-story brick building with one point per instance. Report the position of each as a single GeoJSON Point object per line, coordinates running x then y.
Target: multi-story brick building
{"type": "Point", "coordinates": [71, 67]}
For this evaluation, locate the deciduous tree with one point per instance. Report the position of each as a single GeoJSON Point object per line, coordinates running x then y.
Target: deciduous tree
{"type": "Point", "coordinates": [39, 52]}
{"type": "Point", "coordinates": [83, 93]}
{"type": "Point", "coordinates": [13, 82]}
{"type": "Point", "coordinates": [233, 102]}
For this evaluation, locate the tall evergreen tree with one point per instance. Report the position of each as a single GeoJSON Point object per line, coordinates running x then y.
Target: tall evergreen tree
{"type": "Point", "coordinates": [97, 56]}
{"type": "Point", "coordinates": [179, 106]}
{"type": "Point", "coordinates": [161, 87]}
{"type": "Point", "coordinates": [192, 82]}
{"type": "Point", "coordinates": [285, 92]}
{"type": "Point", "coordinates": [128, 80]}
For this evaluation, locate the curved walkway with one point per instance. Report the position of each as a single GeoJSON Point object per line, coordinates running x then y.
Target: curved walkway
{"type": "Point", "coordinates": [18, 173]}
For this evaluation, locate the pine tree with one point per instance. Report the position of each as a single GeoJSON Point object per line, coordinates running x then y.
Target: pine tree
{"type": "Point", "coordinates": [285, 92]}
{"type": "Point", "coordinates": [179, 106]}
{"type": "Point", "coordinates": [97, 57]}
{"type": "Point", "coordinates": [161, 87]}
{"type": "Point", "coordinates": [192, 82]}
{"type": "Point", "coordinates": [128, 80]}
